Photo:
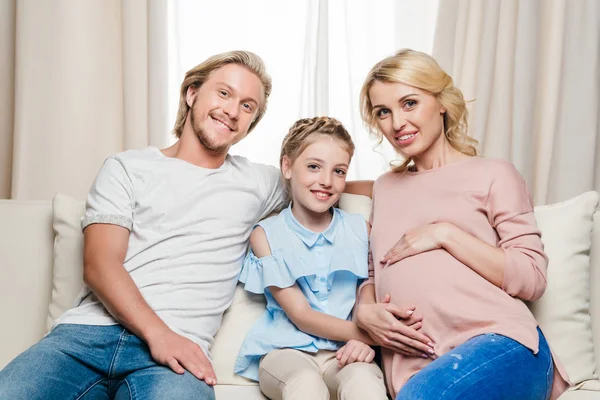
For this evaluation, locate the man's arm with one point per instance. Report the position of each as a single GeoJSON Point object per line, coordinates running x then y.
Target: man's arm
{"type": "Point", "coordinates": [360, 187]}
{"type": "Point", "coordinates": [105, 248]}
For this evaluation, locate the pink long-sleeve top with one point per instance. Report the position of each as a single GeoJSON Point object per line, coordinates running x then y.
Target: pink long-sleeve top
{"type": "Point", "coordinates": [489, 199]}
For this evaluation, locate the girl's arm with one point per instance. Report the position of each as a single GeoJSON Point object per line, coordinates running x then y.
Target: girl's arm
{"type": "Point", "coordinates": [313, 322]}
{"type": "Point", "coordinates": [299, 311]}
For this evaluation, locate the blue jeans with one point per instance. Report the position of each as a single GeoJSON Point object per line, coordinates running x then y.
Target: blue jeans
{"type": "Point", "coordinates": [491, 367]}
{"type": "Point", "coordinates": [95, 362]}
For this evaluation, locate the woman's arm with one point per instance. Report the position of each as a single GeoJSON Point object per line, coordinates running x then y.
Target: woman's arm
{"type": "Point", "coordinates": [517, 265]}
{"type": "Point", "coordinates": [299, 311]}
{"type": "Point", "coordinates": [386, 323]}
{"type": "Point", "coordinates": [391, 326]}
{"type": "Point", "coordinates": [483, 258]}
{"type": "Point", "coordinates": [510, 207]}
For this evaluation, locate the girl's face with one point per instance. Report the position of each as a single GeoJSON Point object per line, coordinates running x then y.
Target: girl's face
{"type": "Point", "coordinates": [318, 175]}
{"type": "Point", "coordinates": [409, 118]}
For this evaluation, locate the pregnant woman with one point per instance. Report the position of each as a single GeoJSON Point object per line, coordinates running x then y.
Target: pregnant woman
{"type": "Point", "coordinates": [453, 235]}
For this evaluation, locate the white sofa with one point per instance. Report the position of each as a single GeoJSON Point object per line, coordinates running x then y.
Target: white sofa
{"type": "Point", "coordinates": [40, 272]}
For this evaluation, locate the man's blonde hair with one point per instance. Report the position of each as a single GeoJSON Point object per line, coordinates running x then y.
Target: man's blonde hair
{"type": "Point", "coordinates": [196, 76]}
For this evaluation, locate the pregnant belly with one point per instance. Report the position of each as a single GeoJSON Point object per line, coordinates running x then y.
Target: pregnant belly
{"type": "Point", "coordinates": [448, 294]}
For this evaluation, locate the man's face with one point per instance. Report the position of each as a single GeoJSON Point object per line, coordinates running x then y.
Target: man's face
{"type": "Point", "coordinates": [224, 106]}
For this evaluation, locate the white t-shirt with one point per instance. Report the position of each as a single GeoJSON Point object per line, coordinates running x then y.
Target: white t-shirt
{"type": "Point", "coordinates": [189, 234]}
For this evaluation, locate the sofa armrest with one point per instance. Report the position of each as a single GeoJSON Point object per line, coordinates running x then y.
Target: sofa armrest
{"type": "Point", "coordinates": [26, 243]}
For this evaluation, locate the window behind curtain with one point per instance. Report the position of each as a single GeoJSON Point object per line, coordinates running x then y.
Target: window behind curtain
{"type": "Point", "coordinates": [317, 52]}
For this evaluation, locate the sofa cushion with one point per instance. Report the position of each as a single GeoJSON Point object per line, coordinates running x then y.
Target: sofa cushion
{"type": "Point", "coordinates": [68, 255]}
{"type": "Point", "coordinates": [564, 310]}
{"type": "Point", "coordinates": [237, 320]}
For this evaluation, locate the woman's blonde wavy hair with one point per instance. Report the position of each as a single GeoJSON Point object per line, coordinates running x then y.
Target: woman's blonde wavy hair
{"type": "Point", "coordinates": [303, 133]}
{"type": "Point", "coordinates": [421, 71]}
{"type": "Point", "coordinates": [196, 76]}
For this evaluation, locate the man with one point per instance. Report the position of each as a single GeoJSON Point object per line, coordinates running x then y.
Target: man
{"type": "Point", "coordinates": [165, 233]}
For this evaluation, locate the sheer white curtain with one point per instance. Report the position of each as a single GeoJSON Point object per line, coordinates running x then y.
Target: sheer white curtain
{"type": "Point", "coordinates": [318, 52]}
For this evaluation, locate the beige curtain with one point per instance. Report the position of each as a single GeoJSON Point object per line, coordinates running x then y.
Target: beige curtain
{"type": "Point", "coordinates": [532, 68]}
{"type": "Point", "coordinates": [80, 80]}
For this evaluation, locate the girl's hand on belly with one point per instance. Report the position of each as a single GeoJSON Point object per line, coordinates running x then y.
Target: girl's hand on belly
{"type": "Point", "coordinates": [394, 328]}
{"type": "Point", "coordinates": [426, 238]}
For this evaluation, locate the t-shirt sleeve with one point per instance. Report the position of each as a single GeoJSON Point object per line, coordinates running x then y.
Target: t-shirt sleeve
{"type": "Point", "coordinates": [110, 200]}
{"type": "Point", "coordinates": [275, 196]}
{"type": "Point", "coordinates": [511, 213]}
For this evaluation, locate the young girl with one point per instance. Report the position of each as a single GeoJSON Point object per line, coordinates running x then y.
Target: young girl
{"type": "Point", "coordinates": [308, 261]}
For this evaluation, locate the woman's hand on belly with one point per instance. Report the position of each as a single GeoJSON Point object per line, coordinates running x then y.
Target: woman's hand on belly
{"type": "Point", "coordinates": [426, 238]}
{"type": "Point", "coordinates": [394, 328]}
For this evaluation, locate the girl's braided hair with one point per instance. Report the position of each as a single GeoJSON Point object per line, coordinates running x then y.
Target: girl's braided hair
{"type": "Point", "coordinates": [304, 132]}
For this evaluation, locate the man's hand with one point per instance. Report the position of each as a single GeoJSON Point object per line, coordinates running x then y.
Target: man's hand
{"type": "Point", "coordinates": [179, 353]}
{"type": "Point", "coordinates": [354, 351]}
{"type": "Point", "coordinates": [394, 328]}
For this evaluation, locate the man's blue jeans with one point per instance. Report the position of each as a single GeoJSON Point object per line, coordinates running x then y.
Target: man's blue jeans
{"type": "Point", "coordinates": [95, 362]}
{"type": "Point", "coordinates": [491, 367]}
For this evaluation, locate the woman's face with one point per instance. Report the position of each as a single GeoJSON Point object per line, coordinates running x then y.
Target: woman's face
{"type": "Point", "coordinates": [409, 118]}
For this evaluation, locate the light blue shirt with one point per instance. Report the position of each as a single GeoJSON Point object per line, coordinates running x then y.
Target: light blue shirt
{"type": "Point", "coordinates": [327, 267]}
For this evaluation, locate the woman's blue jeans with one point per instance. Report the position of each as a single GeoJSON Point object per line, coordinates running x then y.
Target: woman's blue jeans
{"type": "Point", "coordinates": [88, 362]}
{"type": "Point", "coordinates": [491, 367]}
